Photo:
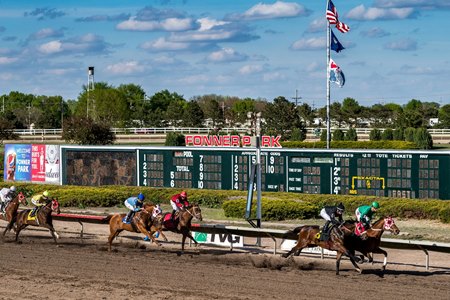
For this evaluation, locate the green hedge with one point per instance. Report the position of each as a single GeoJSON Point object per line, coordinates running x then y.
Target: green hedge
{"type": "Point", "coordinates": [275, 205]}
{"type": "Point", "coordinates": [353, 145]}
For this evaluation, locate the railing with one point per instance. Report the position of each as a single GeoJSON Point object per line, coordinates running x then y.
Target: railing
{"type": "Point", "coordinates": [193, 130]}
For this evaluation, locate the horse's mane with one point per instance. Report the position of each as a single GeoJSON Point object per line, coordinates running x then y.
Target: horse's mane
{"type": "Point", "coordinates": [379, 220]}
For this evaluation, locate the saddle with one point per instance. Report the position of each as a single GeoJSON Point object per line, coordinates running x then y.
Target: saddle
{"type": "Point", "coordinates": [359, 229]}
{"type": "Point", "coordinates": [31, 216]}
{"type": "Point", "coordinates": [168, 223]}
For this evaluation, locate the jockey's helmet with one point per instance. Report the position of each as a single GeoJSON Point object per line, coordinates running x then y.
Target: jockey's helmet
{"type": "Point", "coordinates": [375, 205]}
{"type": "Point", "coordinates": [183, 194]}
{"type": "Point", "coordinates": [341, 207]}
{"type": "Point", "coordinates": [141, 197]}
{"type": "Point", "coordinates": [45, 194]}
{"type": "Point", "coordinates": [12, 188]}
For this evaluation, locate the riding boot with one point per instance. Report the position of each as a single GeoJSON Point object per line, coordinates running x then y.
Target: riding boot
{"type": "Point", "coordinates": [33, 212]}
{"type": "Point", "coordinates": [2, 205]}
{"type": "Point", "coordinates": [325, 231]}
{"type": "Point", "coordinates": [172, 217]}
{"type": "Point", "coordinates": [128, 217]}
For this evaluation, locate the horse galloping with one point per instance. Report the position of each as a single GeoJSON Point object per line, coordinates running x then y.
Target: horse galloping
{"type": "Point", "coordinates": [182, 223]}
{"type": "Point", "coordinates": [42, 218]}
{"type": "Point", "coordinates": [11, 210]}
{"type": "Point", "coordinates": [371, 243]}
{"type": "Point", "coordinates": [308, 237]}
{"type": "Point", "coordinates": [142, 222]}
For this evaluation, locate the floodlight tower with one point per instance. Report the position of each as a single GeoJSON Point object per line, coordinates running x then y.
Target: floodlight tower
{"type": "Point", "coordinates": [90, 87]}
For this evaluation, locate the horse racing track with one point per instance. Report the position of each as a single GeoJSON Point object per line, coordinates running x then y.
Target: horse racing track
{"type": "Point", "coordinates": [35, 268]}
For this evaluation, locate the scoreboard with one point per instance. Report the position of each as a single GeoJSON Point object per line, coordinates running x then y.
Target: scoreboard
{"type": "Point", "coordinates": [412, 174]}
{"type": "Point", "coordinates": [403, 174]}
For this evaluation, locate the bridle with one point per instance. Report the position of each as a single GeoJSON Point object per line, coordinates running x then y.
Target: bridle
{"type": "Point", "coordinates": [195, 214]}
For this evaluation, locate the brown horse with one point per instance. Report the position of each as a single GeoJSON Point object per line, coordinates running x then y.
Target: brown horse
{"type": "Point", "coordinates": [42, 218]}
{"type": "Point", "coordinates": [142, 222]}
{"type": "Point", "coordinates": [182, 223]}
{"type": "Point", "coordinates": [308, 237]}
{"type": "Point", "coordinates": [371, 243]}
{"type": "Point", "coordinates": [11, 210]}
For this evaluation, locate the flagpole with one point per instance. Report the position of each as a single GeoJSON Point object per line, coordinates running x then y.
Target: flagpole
{"type": "Point", "coordinates": [328, 83]}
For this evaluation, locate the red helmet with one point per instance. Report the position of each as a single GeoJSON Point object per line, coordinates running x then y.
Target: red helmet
{"type": "Point", "coordinates": [183, 194]}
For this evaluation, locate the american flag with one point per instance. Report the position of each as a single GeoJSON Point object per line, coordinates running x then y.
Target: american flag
{"type": "Point", "coordinates": [332, 17]}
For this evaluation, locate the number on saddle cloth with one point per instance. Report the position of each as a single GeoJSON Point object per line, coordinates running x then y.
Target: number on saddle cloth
{"type": "Point", "coordinates": [359, 228]}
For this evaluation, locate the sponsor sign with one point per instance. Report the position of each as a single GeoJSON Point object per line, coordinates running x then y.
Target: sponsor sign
{"type": "Point", "coordinates": [52, 161]}
{"type": "Point", "coordinates": [229, 141]}
{"type": "Point", "coordinates": [220, 239]}
{"type": "Point", "coordinates": [35, 163]}
{"type": "Point", "coordinates": [17, 162]}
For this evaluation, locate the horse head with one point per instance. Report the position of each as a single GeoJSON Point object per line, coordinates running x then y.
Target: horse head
{"type": "Point", "coordinates": [195, 211]}
{"type": "Point", "coordinates": [55, 206]}
{"type": "Point", "coordinates": [389, 225]}
{"type": "Point", "coordinates": [22, 198]}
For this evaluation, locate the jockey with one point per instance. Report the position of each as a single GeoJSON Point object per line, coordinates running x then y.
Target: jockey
{"type": "Point", "coordinates": [179, 202]}
{"type": "Point", "coordinates": [134, 204]}
{"type": "Point", "coordinates": [157, 210]}
{"type": "Point", "coordinates": [6, 195]}
{"type": "Point", "coordinates": [364, 213]}
{"type": "Point", "coordinates": [38, 201]}
{"type": "Point", "coordinates": [330, 213]}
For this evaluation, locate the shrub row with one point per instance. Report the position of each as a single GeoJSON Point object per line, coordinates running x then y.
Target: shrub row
{"type": "Point", "coordinates": [353, 145]}
{"type": "Point", "coordinates": [310, 206]}
{"type": "Point", "coordinates": [275, 206]}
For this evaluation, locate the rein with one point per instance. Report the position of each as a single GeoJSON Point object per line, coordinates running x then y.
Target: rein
{"type": "Point", "coordinates": [193, 215]}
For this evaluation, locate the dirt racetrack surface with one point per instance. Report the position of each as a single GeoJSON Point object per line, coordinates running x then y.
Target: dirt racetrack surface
{"type": "Point", "coordinates": [35, 268]}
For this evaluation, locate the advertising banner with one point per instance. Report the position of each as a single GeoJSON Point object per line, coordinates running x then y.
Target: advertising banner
{"type": "Point", "coordinates": [37, 163]}
{"type": "Point", "coordinates": [52, 162]}
{"type": "Point", "coordinates": [17, 162]}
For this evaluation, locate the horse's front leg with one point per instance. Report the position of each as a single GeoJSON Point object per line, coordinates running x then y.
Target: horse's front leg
{"type": "Point", "coordinates": [53, 232]}
{"type": "Point", "coordinates": [142, 229]}
{"type": "Point", "coordinates": [19, 229]}
{"type": "Point", "coordinates": [379, 250]}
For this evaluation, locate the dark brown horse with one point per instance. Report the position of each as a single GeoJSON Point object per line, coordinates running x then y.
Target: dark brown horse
{"type": "Point", "coordinates": [371, 243]}
{"type": "Point", "coordinates": [182, 223]}
{"type": "Point", "coordinates": [142, 222]}
{"type": "Point", "coordinates": [308, 237]}
{"type": "Point", "coordinates": [42, 218]}
{"type": "Point", "coordinates": [11, 210]}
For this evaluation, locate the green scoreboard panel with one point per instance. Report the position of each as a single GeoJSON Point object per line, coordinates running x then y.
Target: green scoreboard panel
{"type": "Point", "coordinates": [407, 174]}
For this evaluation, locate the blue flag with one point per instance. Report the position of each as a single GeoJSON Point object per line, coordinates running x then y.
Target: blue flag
{"type": "Point", "coordinates": [335, 44]}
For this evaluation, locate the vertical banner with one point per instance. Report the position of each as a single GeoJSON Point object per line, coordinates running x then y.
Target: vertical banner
{"type": "Point", "coordinates": [52, 161]}
{"type": "Point", "coordinates": [37, 163]}
{"type": "Point", "coordinates": [17, 162]}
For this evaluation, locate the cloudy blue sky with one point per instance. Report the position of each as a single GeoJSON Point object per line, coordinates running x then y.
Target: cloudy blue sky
{"type": "Point", "coordinates": [396, 50]}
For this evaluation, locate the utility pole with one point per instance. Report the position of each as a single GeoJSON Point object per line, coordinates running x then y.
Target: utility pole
{"type": "Point", "coordinates": [296, 98]}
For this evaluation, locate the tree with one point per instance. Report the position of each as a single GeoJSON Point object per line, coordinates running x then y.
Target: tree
{"type": "Point", "coordinates": [6, 131]}
{"type": "Point", "coordinates": [351, 135]}
{"type": "Point", "coordinates": [338, 135]}
{"type": "Point", "coordinates": [134, 97]}
{"type": "Point", "coordinates": [212, 111]}
{"type": "Point", "coordinates": [423, 139]}
{"type": "Point", "coordinates": [444, 116]}
{"type": "Point", "coordinates": [351, 111]}
{"type": "Point", "coordinates": [174, 113]}
{"type": "Point", "coordinates": [375, 135]}
{"type": "Point", "coordinates": [193, 115]}
{"type": "Point", "coordinates": [387, 135]}
{"type": "Point", "coordinates": [281, 117]}
{"type": "Point", "coordinates": [85, 131]}
{"type": "Point", "coordinates": [306, 113]}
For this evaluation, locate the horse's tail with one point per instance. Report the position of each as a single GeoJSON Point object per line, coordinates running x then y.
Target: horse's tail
{"type": "Point", "coordinates": [107, 219]}
{"type": "Point", "coordinates": [297, 229]}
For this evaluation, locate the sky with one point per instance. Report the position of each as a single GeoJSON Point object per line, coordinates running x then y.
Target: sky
{"type": "Point", "coordinates": [395, 51]}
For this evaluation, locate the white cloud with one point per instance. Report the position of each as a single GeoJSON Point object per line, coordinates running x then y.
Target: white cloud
{"type": "Point", "coordinates": [362, 13]}
{"type": "Point", "coordinates": [170, 24]}
{"type": "Point", "coordinates": [126, 68]}
{"type": "Point", "coordinates": [7, 60]}
{"type": "Point", "coordinates": [309, 44]}
{"type": "Point", "coordinates": [226, 55]}
{"type": "Point", "coordinates": [317, 25]}
{"type": "Point", "coordinates": [51, 47]}
{"type": "Point", "coordinates": [207, 23]}
{"type": "Point", "coordinates": [195, 79]}
{"type": "Point", "coordinates": [273, 76]}
{"type": "Point", "coordinates": [402, 45]}
{"type": "Point", "coordinates": [279, 9]}
{"type": "Point", "coordinates": [162, 44]}
{"type": "Point", "coordinates": [250, 69]}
